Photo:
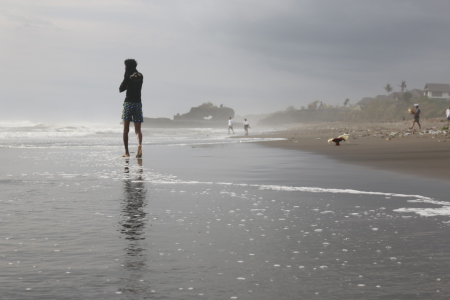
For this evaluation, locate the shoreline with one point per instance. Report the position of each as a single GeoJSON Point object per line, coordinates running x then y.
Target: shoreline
{"type": "Point", "coordinates": [385, 146]}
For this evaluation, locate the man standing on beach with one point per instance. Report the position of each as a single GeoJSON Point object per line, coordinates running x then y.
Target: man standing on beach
{"type": "Point", "coordinates": [246, 126]}
{"type": "Point", "coordinates": [230, 125]}
{"type": "Point", "coordinates": [132, 106]}
{"type": "Point", "coordinates": [416, 117]}
{"type": "Point", "coordinates": [447, 112]}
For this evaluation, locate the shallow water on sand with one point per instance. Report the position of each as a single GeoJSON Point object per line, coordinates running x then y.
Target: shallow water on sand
{"type": "Point", "coordinates": [236, 221]}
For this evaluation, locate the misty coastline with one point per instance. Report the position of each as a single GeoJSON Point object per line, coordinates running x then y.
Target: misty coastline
{"type": "Point", "coordinates": [376, 109]}
{"type": "Point", "coordinates": [169, 123]}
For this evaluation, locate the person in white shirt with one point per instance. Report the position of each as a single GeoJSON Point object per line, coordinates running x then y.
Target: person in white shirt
{"type": "Point", "coordinates": [230, 125]}
{"type": "Point", "coordinates": [447, 112]}
{"type": "Point", "coordinates": [246, 126]}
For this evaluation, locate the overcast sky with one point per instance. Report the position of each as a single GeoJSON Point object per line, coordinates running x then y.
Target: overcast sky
{"type": "Point", "coordinates": [63, 60]}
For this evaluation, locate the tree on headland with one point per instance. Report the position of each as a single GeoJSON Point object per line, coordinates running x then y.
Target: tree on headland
{"type": "Point", "coordinates": [403, 86]}
{"type": "Point", "coordinates": [388, 88]}
{"type": "Point", "coordinates": [206, 104]}
{"type": "Point", "coordinates": [313, 105]}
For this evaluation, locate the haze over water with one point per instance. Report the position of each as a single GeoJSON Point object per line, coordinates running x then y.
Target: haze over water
{"type": "Point", "coordinates": [204, 216]}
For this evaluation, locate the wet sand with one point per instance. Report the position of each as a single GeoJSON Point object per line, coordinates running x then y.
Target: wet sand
{"type": "Point", "coordinates": [227, 221]}
{"type": "Point", "coordinates": [385, 146]}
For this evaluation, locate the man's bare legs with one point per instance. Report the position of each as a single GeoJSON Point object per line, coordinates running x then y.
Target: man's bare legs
{"type": "Point", "coordinates": [126, 129]}
{"type": "Point", "coordinates": [414, 122]}
{"type": "Point", "coordinates": [137, 130]}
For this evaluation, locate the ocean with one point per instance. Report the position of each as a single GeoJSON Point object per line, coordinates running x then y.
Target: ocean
{"type": "Point", "coordinates": [207, 216]}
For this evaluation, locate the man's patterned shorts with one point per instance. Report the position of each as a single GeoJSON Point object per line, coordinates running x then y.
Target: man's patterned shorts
{"type": "Point", "coordinates": [132, 112]}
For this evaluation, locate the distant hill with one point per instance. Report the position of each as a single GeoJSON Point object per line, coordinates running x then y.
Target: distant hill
{"type": "Point", "coordinates": [206, 111]}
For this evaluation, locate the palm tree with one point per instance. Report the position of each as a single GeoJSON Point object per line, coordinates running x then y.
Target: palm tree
{"type": "Point", "coordinates": [388, 88]}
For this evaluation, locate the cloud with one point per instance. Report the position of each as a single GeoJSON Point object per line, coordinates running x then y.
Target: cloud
{"type": "Point", "coordinates": [343, 33]}
{"type": "Point", "coordinates": [255, 56]}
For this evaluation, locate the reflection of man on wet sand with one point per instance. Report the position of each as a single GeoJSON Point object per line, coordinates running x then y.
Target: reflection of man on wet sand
{"type": "Point", "coordinates": [134, 201]}
{"type": "Point", "coordinates": [133, 227]}
{"type": "Point", "coordinates": [127, 167]}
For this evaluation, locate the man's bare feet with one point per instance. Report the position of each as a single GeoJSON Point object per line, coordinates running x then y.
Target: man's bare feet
{"type": "Point", "coordinates": [139, 152]}
{"type": "Point", "coordinates": [126, 155]}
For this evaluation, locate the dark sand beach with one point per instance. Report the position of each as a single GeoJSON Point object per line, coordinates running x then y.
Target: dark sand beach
{"type": "Point", "coordinates": [385, 146]}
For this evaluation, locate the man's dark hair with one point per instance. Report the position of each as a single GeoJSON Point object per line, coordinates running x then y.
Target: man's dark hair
{"type": "Point", "coordinates": [130, 64]}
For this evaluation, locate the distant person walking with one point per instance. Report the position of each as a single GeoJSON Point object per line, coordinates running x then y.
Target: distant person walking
{"type": "Point", "coordinates": [416, 116]}
{"type": "Point", "coordinates": [447, 112]}
{"type": "Point", "coordinates": [230, 125]}
{"type": "Point", "coordinates": [132, 106]}
{"type": "Point", "coordinates": [246, 126]}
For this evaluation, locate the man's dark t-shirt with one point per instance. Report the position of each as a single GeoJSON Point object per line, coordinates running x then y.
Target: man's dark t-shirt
{"type": "Point", "coordinates": [132, 83]}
